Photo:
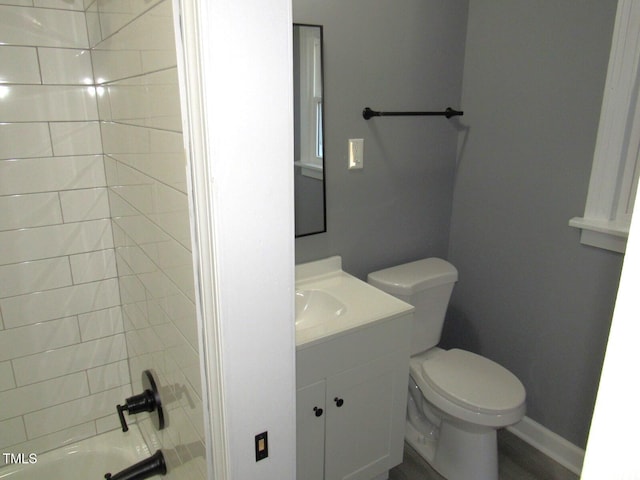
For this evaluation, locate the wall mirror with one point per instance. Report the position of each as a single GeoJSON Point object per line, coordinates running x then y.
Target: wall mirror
{"type": "Point", "coordinates": [308, 130]}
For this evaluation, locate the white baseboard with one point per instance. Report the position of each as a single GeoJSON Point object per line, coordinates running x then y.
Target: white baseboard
{"type": "Point", "coordinates": [551, 444]}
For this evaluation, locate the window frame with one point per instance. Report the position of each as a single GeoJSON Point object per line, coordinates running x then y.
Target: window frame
{"type": "Point", "coordinates": [614, 174]}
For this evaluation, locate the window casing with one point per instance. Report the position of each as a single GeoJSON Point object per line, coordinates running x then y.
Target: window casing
{"type": "Point", "coordinates": [616, 165]}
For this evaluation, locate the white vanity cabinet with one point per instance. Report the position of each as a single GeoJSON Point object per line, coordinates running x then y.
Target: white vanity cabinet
{"type": "Point", "coordinates": [351, 402]}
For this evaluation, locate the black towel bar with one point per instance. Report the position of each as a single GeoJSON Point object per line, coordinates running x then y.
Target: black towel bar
{"type": "Point", "coordinates": [367, 113]}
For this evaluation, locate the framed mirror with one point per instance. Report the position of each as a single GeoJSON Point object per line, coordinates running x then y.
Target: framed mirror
{"type": "Point", "coordinates": [308, 94]}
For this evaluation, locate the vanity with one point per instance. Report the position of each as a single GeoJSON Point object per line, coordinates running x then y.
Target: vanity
{"type": "Point", "coordinates": [352, 365]}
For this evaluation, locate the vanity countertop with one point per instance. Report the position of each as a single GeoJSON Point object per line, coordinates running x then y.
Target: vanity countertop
{"type": "Point", "coordinates": [343, 302]}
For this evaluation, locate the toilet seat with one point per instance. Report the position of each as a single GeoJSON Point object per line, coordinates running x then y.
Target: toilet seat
{"type": "Point", "coordinates": [473, 382]}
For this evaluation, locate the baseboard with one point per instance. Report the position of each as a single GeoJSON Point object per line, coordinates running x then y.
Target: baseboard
{"type": "Point", "coordinates": [551, 444]}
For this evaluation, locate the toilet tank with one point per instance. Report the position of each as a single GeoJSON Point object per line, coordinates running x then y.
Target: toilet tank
{"type": "Point", "coordinates": [427, 285]}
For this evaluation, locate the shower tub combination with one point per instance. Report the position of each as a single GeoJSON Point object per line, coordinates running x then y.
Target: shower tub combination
{"type": "Point", "coordinates": [91, 458]}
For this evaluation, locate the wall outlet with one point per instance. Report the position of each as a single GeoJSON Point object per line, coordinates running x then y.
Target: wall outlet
{"type": "Point", "coordinates": [356, 153]}
{"type": "Point", "coordinates": [262, 446]}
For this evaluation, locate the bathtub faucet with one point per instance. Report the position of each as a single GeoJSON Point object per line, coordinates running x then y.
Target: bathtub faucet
{"type": "Point", "coordinates": [154, 465]}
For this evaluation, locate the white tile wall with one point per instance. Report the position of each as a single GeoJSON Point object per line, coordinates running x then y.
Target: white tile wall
{"type": "Point", "coordinates": [12, 431]}
{"type": "Point", "coordinates": [146, 175]}
{"type": "Point", "coordinates": [24, 140]}
{"type": "Point", "coordinates": [61, 302]}
{"type": "Point", "coordinates": [57, 261]}
{"type": "Point", "coordinates": [101, 323]}
{"type": "Point", "coordinates": [40, 337]}
{"type": "Point", "coordinates": [53, 241]}
{"type": "Point", "coordinates": [74, 358]}
{"type": "Point", "coordinates": [41, 103]}
{"type": "Point", "coordinates": [61, 320]}
{"type": "Point", "coordinates": [42, 27]}
{"type": "Point", "coordinates": [75, 412]}
{"type": "Point", "coordinates": [34, 175]}
{"type": "Point", "coordinates": [41, 395]}
{"type": "Point", "coordinates": [76, 138]}
{"type": "Point", "coordinates": [6, 376]}
{"type": "Point", "coordinates": [85, 204]}
{"type": "Point", "coordinates": [65, 66]}
{"type": "Point", "coordinates": [19, 65]}
{"type": "Point", "coordinates": [24, 211]}
{"type": "Point", "coordinates": [25, 277]}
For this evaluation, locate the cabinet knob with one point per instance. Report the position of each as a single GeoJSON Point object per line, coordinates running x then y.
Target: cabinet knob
{"type": "Point", "coordinates": [318, 411]}
{"type": "Point", "coordinates": [339, 401]}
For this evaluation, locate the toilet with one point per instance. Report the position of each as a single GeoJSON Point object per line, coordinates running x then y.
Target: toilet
{"type": "Point", "coordinates": [457, 399]}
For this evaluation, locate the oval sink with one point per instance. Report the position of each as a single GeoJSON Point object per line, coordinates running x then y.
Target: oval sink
{"type": "Point", "coordinates": [315, 306]}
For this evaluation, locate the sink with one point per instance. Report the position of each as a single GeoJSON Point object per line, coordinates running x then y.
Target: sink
{"type": "Point", "coordinates": [314, 306]}
{"type": "Point", "coordinates": [330, 302]}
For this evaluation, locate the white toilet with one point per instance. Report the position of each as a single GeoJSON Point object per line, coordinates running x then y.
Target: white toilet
{"type": "Point", "coordinates": [457, 399]}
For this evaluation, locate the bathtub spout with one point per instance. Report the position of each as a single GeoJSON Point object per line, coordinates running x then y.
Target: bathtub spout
{"type": "Point", "coordinates": [154, 465]}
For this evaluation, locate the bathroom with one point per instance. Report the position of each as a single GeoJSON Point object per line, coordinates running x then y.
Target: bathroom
{"type": "Point", "coordinates": [414, 181]}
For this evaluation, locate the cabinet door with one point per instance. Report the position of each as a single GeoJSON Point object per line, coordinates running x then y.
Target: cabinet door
{"type": "Point", "coordinates": [365, 419]}
{"type": "Point", "coordinates": [310, 423]}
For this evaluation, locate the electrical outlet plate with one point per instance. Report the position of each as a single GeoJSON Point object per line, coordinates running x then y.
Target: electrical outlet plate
{"type": "Point", "coordinates": [356, 153]}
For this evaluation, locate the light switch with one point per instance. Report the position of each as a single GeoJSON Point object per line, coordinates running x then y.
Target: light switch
{"type": "Point", "coordinates": [356, 153]}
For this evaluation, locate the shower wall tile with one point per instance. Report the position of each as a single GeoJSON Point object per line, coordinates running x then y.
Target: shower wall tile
{"type": "Point", "coordinates": [24, 140]}
{"type": "Point", "coordinates": [20, 3]}
{"type": "Point", "coordinates": [42, 395]}
{"type": "Point", "coordinates": [150, 36]}
{"type": "Point", "coordinates": [145, 169]}
{"type": "Point", "coordinates": [93, 266]}
{"type": "Point", "coordinates": [77, 5]}
{"type": "Point", "coordinates": [54, 241]}
{"type": "Point", "coordinates": [76, 412]}
{"type": "Point", "coordinates": [42, 27]}
{"type": "Point", "coordinates": [19, 65]}
{"type": "Point", "coordinates": [75, 358]}
{"type": "Point", "coordinates": [41, 337]}
{"type": "Point", "coordinates": [134, 100]}
{"type": "Point", "coordinates": [11, 431]}
{"type": "Point", "coordinates": [6, 377]}
{"type": "Point", "coordinates": [57, 439]}
{"type": "Point", "coordinates": [101, 323]}
{"type": "Point", "coordinates": [38, 275]}
{"type": "Point", "coordinates": [58, 303]}
{"type": "Point", "coordinates": [64, 66]}
{"type": "Point", "coordinates": [76, 138]}
{"type": "Point", "coordinates": [108, 376]}
{"type": "Point", "coordinates": [60, 314]}
{"type": "Point", "coordinates": [93, 23]}
{"type": "Point", "coordinates": [34, 175]}
{"type": "Point", "coordinates": [115, 14]}
{"type": "Point", "coordinates": [85, 204]}
{"type": "Point", "coordinates": [25, 211]}
{"type": "Point", "coordinates": [40, 103]}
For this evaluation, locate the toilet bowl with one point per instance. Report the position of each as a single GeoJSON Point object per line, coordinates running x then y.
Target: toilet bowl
{"type": "Point", "coordinates": [457, 399]}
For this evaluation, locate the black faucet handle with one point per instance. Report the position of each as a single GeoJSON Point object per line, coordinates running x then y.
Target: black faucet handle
{"type": "Point", "coordinates": [123, 422]}
{"type": "Point", "coordinates": [147, 401]}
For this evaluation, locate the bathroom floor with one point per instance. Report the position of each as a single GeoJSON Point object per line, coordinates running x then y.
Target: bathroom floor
{"type": "Point", "coordinates": [517, 461]}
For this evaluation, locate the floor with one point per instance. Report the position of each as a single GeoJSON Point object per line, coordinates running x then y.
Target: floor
{"type": "Point", "coordinates": [517, 461]}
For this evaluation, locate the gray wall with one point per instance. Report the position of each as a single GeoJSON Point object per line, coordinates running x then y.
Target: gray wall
{"type": "Point", "coordinates": [530, 296]}
{"type": "Point", "coordinates": [388, 55]}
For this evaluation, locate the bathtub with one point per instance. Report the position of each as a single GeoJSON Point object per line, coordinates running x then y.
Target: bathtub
{"type": "Point", "coordinates": [87, 459]}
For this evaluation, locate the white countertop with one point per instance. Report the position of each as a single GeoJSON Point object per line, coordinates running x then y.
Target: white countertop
{"type": "Point", "coordinates": [364, 304]}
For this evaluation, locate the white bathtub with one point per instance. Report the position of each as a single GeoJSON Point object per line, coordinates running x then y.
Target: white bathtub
{"type": "Point", "coordinates": [88, 459]}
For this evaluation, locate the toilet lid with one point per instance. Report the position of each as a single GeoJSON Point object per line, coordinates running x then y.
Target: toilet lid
{"type": "Point", "coordinates": [473, 381]}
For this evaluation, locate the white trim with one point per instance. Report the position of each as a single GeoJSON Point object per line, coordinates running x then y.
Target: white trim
{"type": "Point", "coordinates": [188, 16]}
{"type": "Point", "coordinates": [551, 444]}
{"type": "Point", "coordinates": [615, 157]}
{"type": "Point", "coordinates": [602, 234]}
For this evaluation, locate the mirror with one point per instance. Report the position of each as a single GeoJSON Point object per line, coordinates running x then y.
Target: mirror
{"type": "Point", "coordinates": [308, 130]}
